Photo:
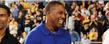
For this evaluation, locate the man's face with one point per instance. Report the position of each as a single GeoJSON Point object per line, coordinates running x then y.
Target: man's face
{"type": "Point", "coordinates": [4, 18]}
{"type": "Point", "coordinates": [57, 16]}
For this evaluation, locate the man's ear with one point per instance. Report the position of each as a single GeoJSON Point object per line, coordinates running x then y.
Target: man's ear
{"type": "Point", "coordinates": [9, 19]}
{"type": "Point", "coordinates": [44, 11]}
{"type": "Point", "coordinates": [47, 12]}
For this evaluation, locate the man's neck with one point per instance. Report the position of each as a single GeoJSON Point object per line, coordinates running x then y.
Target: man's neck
{"type": "Point", "coordinates": [49, 26]}
{"type": "Point", "coordinates": [2, 33]}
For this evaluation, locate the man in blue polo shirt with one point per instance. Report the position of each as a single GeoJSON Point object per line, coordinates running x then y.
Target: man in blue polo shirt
{"type": "Point", "coordinates": [50, 31]}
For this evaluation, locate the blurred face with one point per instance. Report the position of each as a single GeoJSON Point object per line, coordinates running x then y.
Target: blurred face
{"type": "Point", "coordinates": [86, 27]}
{"type": "Point", "coordinates": [77, 8]}
{"type": "Point", "coordinates": [37, 13]}
{"type": "Point", "coordinates": [4, 18]}
{"type": "Point", "coordinates": [27, 21]}
{"type": "Point", "coordinates": [107, 14]}
{"type": "Point", "coordinates": [57, 16]}
{"type": "Point", "coordinates": [20, 14]}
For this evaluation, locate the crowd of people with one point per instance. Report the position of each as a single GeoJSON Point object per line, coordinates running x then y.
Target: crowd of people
{"type": "Point", "coordinates": [84, 19]}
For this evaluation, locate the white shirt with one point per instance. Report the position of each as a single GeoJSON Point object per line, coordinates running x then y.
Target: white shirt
{"type": "Point", "coordinates": [106, 37]}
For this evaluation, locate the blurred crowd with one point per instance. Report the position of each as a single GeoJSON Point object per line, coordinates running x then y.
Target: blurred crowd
{"type": "Point", "coordinates": [85, 20]}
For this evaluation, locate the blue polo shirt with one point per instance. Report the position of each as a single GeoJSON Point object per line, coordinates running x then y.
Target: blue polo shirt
{"type": "Point", "coordinates": [41, 35]}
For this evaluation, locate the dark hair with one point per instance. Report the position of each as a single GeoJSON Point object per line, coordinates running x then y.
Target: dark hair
{"type": "Point", "coordinates": [5, 7]}
{"type": "Point", "coordinates": [52, 4]}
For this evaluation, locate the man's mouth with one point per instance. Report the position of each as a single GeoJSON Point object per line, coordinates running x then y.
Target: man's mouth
{"type": "Point", "coordinates": [61, 21]}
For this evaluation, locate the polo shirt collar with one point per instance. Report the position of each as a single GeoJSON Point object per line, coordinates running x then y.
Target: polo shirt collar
{"type": "Point", "coordinates": [47, 32]}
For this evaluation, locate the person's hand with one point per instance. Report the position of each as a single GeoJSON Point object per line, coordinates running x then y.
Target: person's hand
{"type": "Point", "coordinates": [73, 17]}
{"type": "Point", "coordinates": [78, 19]}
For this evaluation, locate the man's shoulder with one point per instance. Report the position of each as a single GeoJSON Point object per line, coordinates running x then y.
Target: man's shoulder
{"type": "Point", "coordinates": [10, 39]}
{"type": "Point", "coordinates": [34, 36]}
{"type": "Point", "coordinates": [36, 31]}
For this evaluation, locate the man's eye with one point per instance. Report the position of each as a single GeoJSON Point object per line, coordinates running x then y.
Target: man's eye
{"type": "Point", "coordinates": [61, 13]}
{"type": "Point", "coordinates": [2, 15]}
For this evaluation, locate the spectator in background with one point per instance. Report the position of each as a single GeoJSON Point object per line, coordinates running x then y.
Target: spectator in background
{"type": "Point", "coordinates": [36, 23]}
{"type": "Point", "coordinates": [5, 36]}
{"type": "Point", "coordinates": [73, 6]}
{"type": "Point", "coordinates": [93, 34]}
{"type": "Point", "coordinates": [105, 37]}
{"type": "Point", "coordinates": [28, 24]}
{"type": "Point", "coordinates": [14, 9]}
{"type": "Point", "coordinates": [25, 6]}
{"type": "Point", "coordinates": [38, 17]}
{"type": "Point", "coordinates": [106, 25]}
{"type": "Point", "coordinates": [33, 8]}
{"type": "Point", "coordinates": [21, 20]}
{"type": "Point", "coordinates": [86, 29]}
{"type": "Point", "coordinates": [22, 37]}
{"type": "Point", "coordinates": [77, 20]}
{"type": "Point", "coordinates": [13, 27]}
{"type": "Point", "coordinates": [51, 31]}
{"type": "Point", "coordinates": [71, 23]}
{"type": "Point", "coordinates": [94, 19]}
{"type": "Point", "coordinates": [73, 33]}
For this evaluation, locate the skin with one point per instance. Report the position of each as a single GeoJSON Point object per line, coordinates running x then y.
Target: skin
{"type": "Point", "coordinates": [4, 21]}
{"type": "Point", "coordinates": [55, 17]}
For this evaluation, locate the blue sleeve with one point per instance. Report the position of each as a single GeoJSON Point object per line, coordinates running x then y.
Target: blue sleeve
{"type": "Point", "coordinates": [32, 38]}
